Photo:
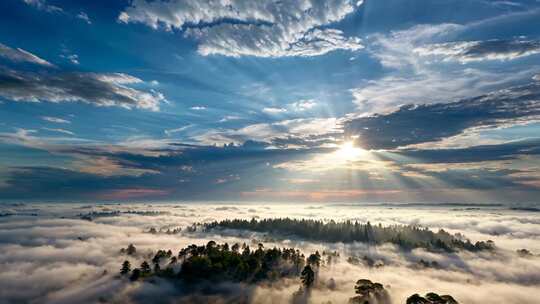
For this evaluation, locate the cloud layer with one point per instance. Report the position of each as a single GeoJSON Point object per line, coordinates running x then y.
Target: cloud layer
{"type": "Point", "coordinates": [414, 124]}
{"type": "Point", "coordinates": [246, 28]}
{"type": "Point", "coordinates": [55, 257]}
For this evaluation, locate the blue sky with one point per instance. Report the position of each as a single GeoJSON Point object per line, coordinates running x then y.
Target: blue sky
{"type": "Point", "coordinates": [309, 100]}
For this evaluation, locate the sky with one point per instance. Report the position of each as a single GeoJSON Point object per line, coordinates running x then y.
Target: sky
{"type": "Point", "coordinates": [363, 101]}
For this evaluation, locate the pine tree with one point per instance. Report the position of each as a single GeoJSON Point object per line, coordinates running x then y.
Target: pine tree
{"type": "Point", "coordinates": [145, 268]}
{"type": "Point", "coordinates": [126, 268]}
{"type": "Point", "coordinates": [131, 250]}
{"type": "Point", "coordinates": [308, 277]}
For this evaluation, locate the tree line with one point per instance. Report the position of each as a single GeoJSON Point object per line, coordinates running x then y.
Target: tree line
{"type": "Point", "coordinates": [404, 236]}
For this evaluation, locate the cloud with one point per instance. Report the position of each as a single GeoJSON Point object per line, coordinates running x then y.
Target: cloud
{"type": "Point", "coordinates": [59, 131]}
{"type": "Point", "coordinates": [177, 130]}
{"type": "Point", "coordinates": [44, 6]}
{"type": "Point", "coordinates": [413, 79]}
{"type": "Point", "coordinates": [73, 58]}
{"type": "Point", "coordinates": [293, 132]}
{"type": "Point", "coordinates": [83, 16]}
{"type": "Point", "coordinates": [55, 257]}
{"type": "Point", "coordinates": [413, 124]}
{"type": "Point", "coordinates": [303, 105]}
{"type": "Point", "coordinates": [274, 110]}
{"type": "Point", "coordinates": [93, 88]}
{"type": "Point", "coordinates": [20, 55]}
{"type": "Point", "coordinates": [55, 120]}
{"type": "Point", "coordinates": [474, 154]}
{"type": "Point", "coordinates": [467, 51]}
{"type": "Point", "coordinates": [244, 28]}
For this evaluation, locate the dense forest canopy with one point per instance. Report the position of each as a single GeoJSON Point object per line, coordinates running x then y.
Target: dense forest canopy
{"type": "Point", "coordinates": [221, 263]}
{"type": "Point", "coordinates": [404, 236]}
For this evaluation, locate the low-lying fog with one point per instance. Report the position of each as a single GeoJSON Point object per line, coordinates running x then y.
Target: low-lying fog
{"type": "Point", "coordinates": [49, 254]}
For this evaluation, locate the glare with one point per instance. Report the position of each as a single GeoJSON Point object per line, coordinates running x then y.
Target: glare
{"type": "Point", "coordinates": [347, 151]}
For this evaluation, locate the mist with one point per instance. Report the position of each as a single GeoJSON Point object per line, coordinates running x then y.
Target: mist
{"type": "Point", "coordinates": [55, 256]}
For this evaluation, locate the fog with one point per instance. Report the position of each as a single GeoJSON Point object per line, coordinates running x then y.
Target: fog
{"type": "Point", "coordinates": [48, 254]}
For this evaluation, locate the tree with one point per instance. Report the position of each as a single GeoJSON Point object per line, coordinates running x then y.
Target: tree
{"type": "Point", "coordinates": [131, 250]}
{"type": "Point", "coordinates": [369, 292]}
{"type": "Point", "coordinates": [135, 274]}
{"type": "Point", "coordinates": [314, 259]}
{"type": "Point", "coordinates": [126, 268]}
{"type": "Point", "coordinates": [307, 277]}
{"type": "Point", "coordinates": [145, 268]}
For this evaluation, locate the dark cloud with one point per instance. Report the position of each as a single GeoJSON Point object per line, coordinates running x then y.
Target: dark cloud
{"type": "Point", "coordinates": [187, 171]}
{"type": "Point", "coordinates": [481, 153]}
{"type": "Point", "coordinates": [93, 88]}
{"type": "Point", "coordinates": [414, 124]}
{"type": "Point", "coordinates": [466, 51]}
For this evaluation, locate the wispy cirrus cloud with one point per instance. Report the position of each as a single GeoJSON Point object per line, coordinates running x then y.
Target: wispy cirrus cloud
{"type": "Point", "coordinates": [55, 119]}
{"type": "Point", "coordinates": [247, 28]}
{"type": "Point", "coordinates": [20, 55]}
{"type": "Point", "coordinates": [58, 130]}
{"type": "Point", "coordinates": [44, 6]}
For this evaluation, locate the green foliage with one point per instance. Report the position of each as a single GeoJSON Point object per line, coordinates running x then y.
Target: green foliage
{"type": "Point", "coordinates": [218, 263]}
{"type": "Point", "coordinates": [404, 236]}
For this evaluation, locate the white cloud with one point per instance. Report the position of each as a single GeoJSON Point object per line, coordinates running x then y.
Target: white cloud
{"type": "Point", "coordinates": [44, 6]}
{"type": "Point", "coordinates": [55, 120]}
{"type": "Point", "coordinates": [73, 58]}
{"type": "Point", "coordinates": [58, 130]}
{"type": "Point", "coordinates": [84, 16]}
{"type": "Point", "coordinates": [251, 28]}
{"type": "Point", "coordinates": [229, 118]}
{"type": "Point", "coordinates": [303, 105]}
{"type": "Point", "coordinates": [48, 259]}
{"type": "Point", "coordinates": [198, 108]}
{"type": "Point", "coordinates": [293, 128]}
{"type": "Point", "coordinates": [177, 130]}
{"type": "Point", "coordinates": [274, 110]}
{"type": "Point", "coordinates": [20, 55]}
{"type": "Point", "coordinates": [415, 80]}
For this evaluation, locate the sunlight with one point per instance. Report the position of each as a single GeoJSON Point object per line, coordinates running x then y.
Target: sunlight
{"type": "Point", "coordinates": [348, 152]}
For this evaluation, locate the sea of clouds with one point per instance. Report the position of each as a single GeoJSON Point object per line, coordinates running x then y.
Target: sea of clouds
{"type": "Point", "coordinates": [48, 254]}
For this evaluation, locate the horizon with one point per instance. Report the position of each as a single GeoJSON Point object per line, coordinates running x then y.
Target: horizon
{"type": "Point", "coordinates": [270, 151]}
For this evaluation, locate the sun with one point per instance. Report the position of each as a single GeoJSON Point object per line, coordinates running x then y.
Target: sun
{"type": "Point", "coordinates": [347, 151]}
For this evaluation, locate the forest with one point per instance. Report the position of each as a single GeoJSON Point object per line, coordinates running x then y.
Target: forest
{"type": "Point", "coordinates": [404, 236]}
{"type": "Point", "coordinates": [221, 263]}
